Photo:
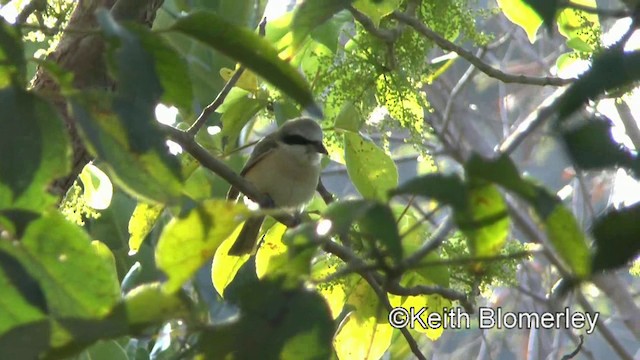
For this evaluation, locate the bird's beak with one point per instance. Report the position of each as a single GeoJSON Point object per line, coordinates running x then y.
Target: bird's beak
{"type": "Point", "coordinates": [320, 148]}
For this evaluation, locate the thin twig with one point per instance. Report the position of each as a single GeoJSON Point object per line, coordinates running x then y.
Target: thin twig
{"type": "Point", "coordinates": [481, 65]}
{"type": "Point", "coordinates": [222, 95]}
{"type": "Point", "coordinates": [576, 351]}
{"type": "Point", "coordinates": [433, 243]}
{"type": "Point", "coordinates": [604, 329]}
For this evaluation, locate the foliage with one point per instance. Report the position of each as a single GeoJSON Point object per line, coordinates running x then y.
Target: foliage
{"type": "Point", "coordinates": [120, 257]}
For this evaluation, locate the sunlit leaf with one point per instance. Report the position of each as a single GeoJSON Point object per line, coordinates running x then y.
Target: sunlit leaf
{"type": "Point", "coordinates": [225, 267]}
{"type": "Point", "coordinates": [77, 279]}
{"type": "Point", "coordinates": [521, 14]}
{"type": "Point", "coordinates": [348, 118]}
{"type": "Point", "coordinates": [485, 221]}
{"type": "Point", "coordinates": [153, 175]}
{"type": "Point", "coordinates": [561, 227]}
{"type": "Point", "coordinates": [189, 241]}
{"type": "Point", "coordinates": [247, 81]}
{"type": "Point", "coordinates": [376, 10]}
{"type": "Point", "coordinates": [97, 187]}
{"type": "Point", "coordinates": [334, 292]}
{"type": "Point", "coordinates": [371, 170]}
{"type": "Point", "coordinates": [165, 306]}
{"type": "Point", "coordinates": [142, 220]}
{"type": "Point", "coordinates": [364, 333]}
{"type": "Point", "coordinates": [249, 49]}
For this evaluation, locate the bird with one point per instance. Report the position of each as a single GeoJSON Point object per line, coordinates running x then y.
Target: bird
{"type": "Point", "coordinates": [285, 166]}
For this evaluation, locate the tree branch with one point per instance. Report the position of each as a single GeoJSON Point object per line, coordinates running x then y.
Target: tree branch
{"type": "Point", "coordinates": [481, 65]}
{"type": "Point", "coordinates": [222, 95]}
{"type": "Point", "coordinates": [205, 159]}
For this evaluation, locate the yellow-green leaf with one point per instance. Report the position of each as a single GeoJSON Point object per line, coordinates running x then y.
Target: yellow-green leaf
{"type": "Point", "coordinates": [522, 15]}
{"type": "Point", "coordinates": [225, 267]}
{"type": "Point", "coordinates": [371, 170]}
{"type": "Point", "coordinates": [187, 242]}
{"type": "Point", "coordinates": [142, 220]}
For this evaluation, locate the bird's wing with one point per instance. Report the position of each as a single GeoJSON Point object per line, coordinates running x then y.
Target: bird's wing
{"type": "Point", "coordinates": [262, 149]}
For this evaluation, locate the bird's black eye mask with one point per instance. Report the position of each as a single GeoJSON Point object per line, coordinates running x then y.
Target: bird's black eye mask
{"type": "Point", "coordinates": [301, 140]}
{"type": "Point", "coordinates": [296, 140]}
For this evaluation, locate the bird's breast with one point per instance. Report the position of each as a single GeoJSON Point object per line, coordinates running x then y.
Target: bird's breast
{"type": "Point", "coordinates": [288, 181]}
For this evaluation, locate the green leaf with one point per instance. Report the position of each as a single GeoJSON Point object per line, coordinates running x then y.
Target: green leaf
{"type": "Point", "coordinates": [251, 50]}
{"type": "Point", "coordinates": [485, 221]}
{"type": "Point", "coordinates": [151, 176]}
{"type": "Point", "coordinates": [593, 134]}
{"type": "Point", "coordinates": [105, 350]}
{"type": "Point", "coordinates": [580, 45]}
{"type": "Point", "coordinates": [187, 242]}
{"type": "Point", "coordinates": [13, 66]}
{"type": "Point", "coordinates": [237, 116]}
{"type": "Point", "coordinates": [546, 9]}
{"type": "Point", "coordinates": [363, 334]}
{"type": "Point", "coordinates": [76, 278]}
{"type": "Point", "coordinates": [141, 223]}
{"type": "Point", "coordinates": [334, 292]}
{"type": "Point", "coordinates": [22, 301]}
{"type": "Point", "coordinates": [98, 190]}
{"type": "Point", "coordinates": [348, 119]}
{"type": "Point", "coordinates": [577, 24]}
{"type": "Point", "coordinates": [35, 150]}
{"type": "Point", "coordinates": [269, 324]}
{"type": "Point", "coordinates": [561, 227]}
{"type": "Point", "coordinates": [370, 169]}
{"type": "Point", "coordinates": [447, 189]}
{"type": "Point", "coordinates": [616, 238]}
{"type": "Point", "coordinates": [311, 14]}
{"type": "Point", "coordinates": [225, 267]}
{"type": "Point", "coordinates": [165, 306]}
{"type": "Point", "coordinates": [376, 10]}
{"type": "Point", "coordinates": [521, 14]}
{"type": "Point", "coordinates": [171, 69]}
{"type": "Point", "coordinates": [26, 341]}
{"type": "Point", "coordinates": [379, 224]}
{"type": "Point", "coordinates": [600, 78]}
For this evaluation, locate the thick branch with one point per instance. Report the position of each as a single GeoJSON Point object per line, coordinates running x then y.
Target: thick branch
{"type": "Point", "coordinates": [481, 65]}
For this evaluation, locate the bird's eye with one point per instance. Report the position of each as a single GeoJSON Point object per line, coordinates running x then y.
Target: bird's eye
{"type": "Point", "coordinates": [295, 140]}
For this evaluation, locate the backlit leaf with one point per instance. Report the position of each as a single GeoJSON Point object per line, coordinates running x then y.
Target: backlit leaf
{"type": "Point", "coordinates": [189, 241]}
{"type": "Point", "coordinates": [371, 170]}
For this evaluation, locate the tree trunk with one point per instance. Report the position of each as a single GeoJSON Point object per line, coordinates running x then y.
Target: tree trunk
{"type": "Point", "coordinates": [83, 55]}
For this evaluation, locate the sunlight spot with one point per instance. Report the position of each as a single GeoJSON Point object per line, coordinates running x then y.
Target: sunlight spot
{"type": "Point", "coordinates": [252, 205]}
{"type": "Point", "coordinates": [166, 114]}
{"type": "Point", "coordinates": [323, 227]}
{"type": "Point", "coordinates": [213, 130]}
{"type": "Point", "coordinates": [377, 115]}
{"type": "Point", "coordinates": [174, 148]}
{"type": "Point", "coordinates": [10, 12]}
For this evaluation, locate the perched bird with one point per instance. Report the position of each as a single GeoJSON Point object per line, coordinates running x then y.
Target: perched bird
{"type": "Point", "coordinates": [285, 165]}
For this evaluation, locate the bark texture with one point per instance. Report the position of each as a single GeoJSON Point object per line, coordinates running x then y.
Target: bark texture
{"type": "Point", "coordinates": [83, 55]}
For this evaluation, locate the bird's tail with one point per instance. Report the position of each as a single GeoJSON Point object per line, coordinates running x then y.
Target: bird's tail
{"type": "Point", "coordinates": [248, 237]}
